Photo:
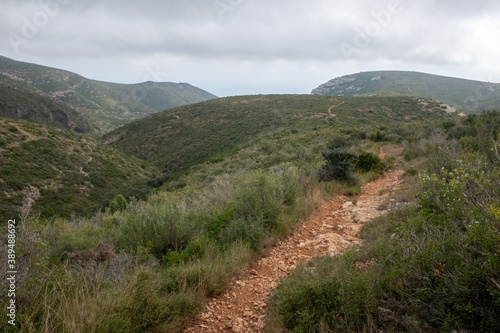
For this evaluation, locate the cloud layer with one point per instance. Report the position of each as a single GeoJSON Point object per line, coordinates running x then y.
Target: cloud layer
{"type": "Point", "coordinates": [243, 47]}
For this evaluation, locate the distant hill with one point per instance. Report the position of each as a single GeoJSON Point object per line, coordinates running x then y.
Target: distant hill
{"type": "Point", "coordinates": [73, 173]}
{"type": "Point", "coordinates": [105, 105]}
{"type": "Point", "coordinates": [465, 95]}
{"type": "Point", "coordinates": [178, 138]}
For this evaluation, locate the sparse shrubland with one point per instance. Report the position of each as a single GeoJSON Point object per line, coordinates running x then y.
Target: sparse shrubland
{"type": "Point", "coordinates": [466, 95]}
{"type": "Point", "coordinates": [434, 267]}
{"type": "Point", "coordinates": [149, 265]}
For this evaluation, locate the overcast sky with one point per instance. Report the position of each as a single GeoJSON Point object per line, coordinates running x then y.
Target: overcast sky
{"type": "Point", "coordinates": [239, 47]}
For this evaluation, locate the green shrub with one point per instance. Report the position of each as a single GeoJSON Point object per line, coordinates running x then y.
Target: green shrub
{"type": "Point", "coordinates": [339, 166]}
{"type": "Point", "coordinates": [411, 172]}
{"type": "Point", "coordinates": [260, 199]}
{"type": "Point", "coordinates": [330, 294]}
{"type": "Point", "coordinates": [71, 240]}
{"type": "Point", "coordinates": [111, 221]}
{"type": "Point", "coordinates": [337, 141]}
{"type": "Point", "coordinates": [367, 162]}
{"type": "Point", "coordinates": [219, 220]}
{"type": "Point", "coordinates": [194, 250]}
{"type": "Point", "coordinates": [249, 231]}
{"type": "Point", "coordinates": [158, 227]}
{"type": "Point", "coordinates": [119, 203]}
{"type": "Point", "coordinates": [253, 205]}
{"type": "Point", "coordinates": [11, 128]}
{"type": "Point", "coordinates": [378, 136]}
{"type": "Point", "coordinates": [358, 135]}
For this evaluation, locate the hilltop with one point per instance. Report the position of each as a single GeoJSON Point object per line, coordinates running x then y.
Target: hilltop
{"type": "Point", "coordinates": [178, 138]}
{"type": "Point", "coordinates": [105, 105]}
{"type": "Point", "coordinates": [465, 95]}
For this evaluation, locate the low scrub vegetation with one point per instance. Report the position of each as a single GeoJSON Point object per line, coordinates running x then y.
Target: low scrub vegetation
{"type": "Point", "coordinates": [149, 265]}
{"type": "Point", "coordinates": [75, 175]}
{"type": "Point", "coordinates": [206, 131]}
{"type": "Point", "coordinates": [435, 267]}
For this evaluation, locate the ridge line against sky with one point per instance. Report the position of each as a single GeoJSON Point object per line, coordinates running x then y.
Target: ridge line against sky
{"type": "Point", "coordinates": [239, 47]}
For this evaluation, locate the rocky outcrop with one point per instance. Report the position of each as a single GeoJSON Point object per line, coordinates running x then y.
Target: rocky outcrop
{"type": "Point", "coordinates": [340, 85]}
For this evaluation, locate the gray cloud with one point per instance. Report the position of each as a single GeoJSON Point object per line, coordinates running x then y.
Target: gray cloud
{"type": "Point", "coordinates": [263, 40]}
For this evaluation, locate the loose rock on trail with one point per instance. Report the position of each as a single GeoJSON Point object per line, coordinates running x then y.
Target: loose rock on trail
{"type": "Point", "coordinates": [331, 229]}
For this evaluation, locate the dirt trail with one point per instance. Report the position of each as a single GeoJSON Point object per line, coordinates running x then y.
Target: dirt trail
{"type": "Point", "coordinates": [330, 114]}
{"type": "Point", "coordinates": [330, 230]}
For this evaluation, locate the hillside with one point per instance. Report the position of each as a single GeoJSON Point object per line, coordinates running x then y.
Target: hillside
{"type": "Point", "coordinates": [156, 264]}
{"type": "Point", "coordinates": [73, 174]}
{"type": "Point", "coordinates": [465, 95]}
{"type": "Point", "coordinates": [182, 137]}
{"type": "Point", "coordinates": [19, 104]}
{"type": "Point", "coordinates": [106, 105]}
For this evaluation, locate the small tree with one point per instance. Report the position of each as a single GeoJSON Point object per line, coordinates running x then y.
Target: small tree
{"type": "Point", "coordinates": [118, 203]}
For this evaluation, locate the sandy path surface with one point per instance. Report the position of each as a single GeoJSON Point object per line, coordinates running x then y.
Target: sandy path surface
{"type": "Point", "coordinates": [331, 229]}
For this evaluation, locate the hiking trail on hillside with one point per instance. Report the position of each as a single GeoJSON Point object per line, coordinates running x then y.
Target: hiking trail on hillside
{"type": "Point", "coordinates": [330, 114]}
{"type": "Point", "coordinates": [331, 229]}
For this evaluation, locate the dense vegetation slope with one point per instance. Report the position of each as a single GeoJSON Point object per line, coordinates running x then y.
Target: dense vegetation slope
{"type": "Point", "coordinates": [179, 138]}
{"type": "Point", "coordinates": [72, 173]}
{"type": "Point", "coordinates": [107, 105]}
{"type": "Point", "coordinates": [465, 95]}
{"type": "Point", "coordinates": [19, 104]}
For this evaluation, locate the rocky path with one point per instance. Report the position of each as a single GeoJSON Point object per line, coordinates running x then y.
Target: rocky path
{"type": "Point", "coordinates": [330, 230]}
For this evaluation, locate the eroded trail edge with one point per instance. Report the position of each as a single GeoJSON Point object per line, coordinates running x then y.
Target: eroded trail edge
{"type": "Point", "coordinates": [332, 229]}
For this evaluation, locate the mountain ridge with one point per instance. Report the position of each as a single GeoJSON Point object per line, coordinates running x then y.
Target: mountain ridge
{"type": "Point", "coordinates": [106, 105]}
{"type": "Point", "coordinates": [465, 95]}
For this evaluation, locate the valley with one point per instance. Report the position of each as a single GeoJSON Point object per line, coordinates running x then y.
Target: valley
{"type": "Point", "coordinates": [370, 205]}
